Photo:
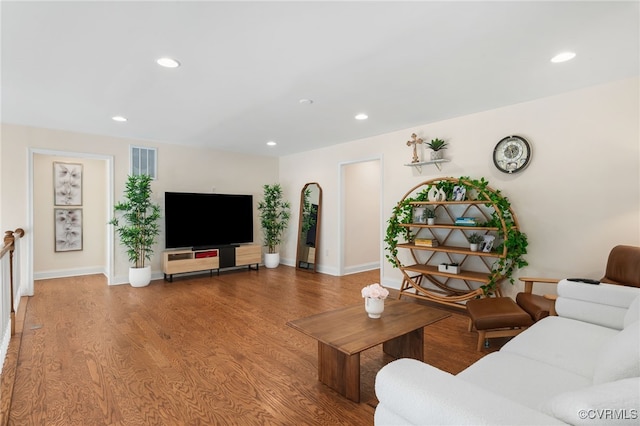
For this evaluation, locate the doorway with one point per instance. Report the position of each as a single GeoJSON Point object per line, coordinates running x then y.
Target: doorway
{"type": "Point", "coordinates": [95, 253]}
{"type": "Point", "coordinates": [361, 216]}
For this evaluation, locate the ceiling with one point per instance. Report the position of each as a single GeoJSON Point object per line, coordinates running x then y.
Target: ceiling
{"type": "Point", "coordinates": [246, 65]}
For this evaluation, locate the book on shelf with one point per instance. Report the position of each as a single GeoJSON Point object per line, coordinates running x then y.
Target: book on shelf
{"type": "Point", "coordinates": [426, 242]}
{"type": "Point", "coordinates": [466, 221]}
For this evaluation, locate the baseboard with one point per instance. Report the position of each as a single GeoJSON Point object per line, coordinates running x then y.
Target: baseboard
{"type": "Point", "coordinates": [63, 273]}
{"type": "Point", "coordinates": [327, 270]}
{"type": "Point", "coordinates": [361, 268]}
{"type": "Point", "coordinates": [4, 345]}
{"type": "Point", "coordinates": [396, 284]}
{"type": "Point", "coordinates": [319, 268]}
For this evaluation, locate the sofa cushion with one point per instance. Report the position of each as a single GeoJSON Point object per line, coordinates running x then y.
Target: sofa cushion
{"type": "Point", "coordinates": [633, 313]}
{"type": "Point", "coordinates": [564, 343]}
{"type": "Point", "coordinates": [613, 403]}
{"type": "Point", "coordinates": [412, 392]}
{"type": "Point", "coordinates": [602, 304]}
{"type": "Point", "coordinates": [620, 357]}
{"type": "Point", "coordinates": [521, 379]}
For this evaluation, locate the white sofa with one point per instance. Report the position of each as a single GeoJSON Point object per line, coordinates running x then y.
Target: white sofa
{"type": "Point", "coordinates": [580, 367]}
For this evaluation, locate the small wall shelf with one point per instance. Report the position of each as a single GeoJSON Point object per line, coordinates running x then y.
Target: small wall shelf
{"type": "Point", "coordinates": [422, 163]}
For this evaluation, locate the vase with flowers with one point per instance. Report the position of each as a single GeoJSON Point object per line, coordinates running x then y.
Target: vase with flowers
{"type": "Point", "coordinates": [374, 295]}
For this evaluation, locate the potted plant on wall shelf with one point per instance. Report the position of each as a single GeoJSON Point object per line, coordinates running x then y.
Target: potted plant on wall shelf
{"type": "Point", "coordinates": [136, 222]}
{"type": "Point", "coordinates": [431, 216]}
{"type": "Point", "coordinates": [437, 145]}
{"type": "Point", "coordinates": [274, 219]}
{"type": "Point", "coordinates": [474, 240]}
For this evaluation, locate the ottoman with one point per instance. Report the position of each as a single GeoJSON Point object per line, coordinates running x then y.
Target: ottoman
{"type": "Point", "coordinates": [496, 317]}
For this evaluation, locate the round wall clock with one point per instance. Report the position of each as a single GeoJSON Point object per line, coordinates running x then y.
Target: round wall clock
{"type": "Point", "coordinates": [512, 154]}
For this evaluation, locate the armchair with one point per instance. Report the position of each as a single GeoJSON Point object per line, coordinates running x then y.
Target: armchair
{"type": "Point", "coordinates": [623, 266]}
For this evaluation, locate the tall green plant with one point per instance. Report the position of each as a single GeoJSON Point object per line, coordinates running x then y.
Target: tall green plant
{"type": "Point", "coordinates": [274, 216]}
{"type": "Point", "coordinates": [136, 220]}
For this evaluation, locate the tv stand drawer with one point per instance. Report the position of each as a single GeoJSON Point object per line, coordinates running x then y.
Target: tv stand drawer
{"type": "Point", "coordinates": [250, 254]}
{"type": "Point", "coordinates": [180, 261]}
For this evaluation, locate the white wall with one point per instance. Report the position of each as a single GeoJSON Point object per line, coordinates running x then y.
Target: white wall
{"type": "Point", "coordinates": [578, 198]}
{"type": "Point", "coordinates": [180, 168]}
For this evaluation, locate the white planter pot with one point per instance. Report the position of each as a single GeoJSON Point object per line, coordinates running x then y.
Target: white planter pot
{"type": "Point", "coordinates": [140, 277]}
{"type": "Point", "coordinates": [374, 307]}
{"type": "Point", "coordinates": [473, 247]}
{"type": "Point", "coordinates": [431, 221]}
{"type": "Point", "coordinates": [436, 155]}
{"type": "Point", "coordinates": [271, 260]}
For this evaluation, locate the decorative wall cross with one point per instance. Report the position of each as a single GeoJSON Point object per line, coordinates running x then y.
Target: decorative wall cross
{"type": "Point", "coordinates": [415, 141]}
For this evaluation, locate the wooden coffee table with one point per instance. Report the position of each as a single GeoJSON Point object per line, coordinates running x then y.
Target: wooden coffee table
{"type": "Point", "coordinates": [344, 333]}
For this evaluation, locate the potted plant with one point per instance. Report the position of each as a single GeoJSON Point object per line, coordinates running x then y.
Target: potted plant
{"type": "Point", "coordinates": [474, 240]}
{"type": "Point", "coordinates": [136, 222]}
{"type": "Point", "coordinates": [374, 295]}
{"type": "Point", "coordinates": [431, 216]}
{"type": "Point", "coordinates": [274, 219]}
{"type": "Point", "coordinates": [436, 146]}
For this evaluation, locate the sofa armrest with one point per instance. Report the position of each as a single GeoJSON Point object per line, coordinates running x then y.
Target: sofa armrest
{"type": "Point", "coordinates": [420, 394]}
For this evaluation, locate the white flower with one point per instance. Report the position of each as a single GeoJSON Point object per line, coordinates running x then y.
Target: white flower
{"type": "Point", "coordinates": [375, 291]}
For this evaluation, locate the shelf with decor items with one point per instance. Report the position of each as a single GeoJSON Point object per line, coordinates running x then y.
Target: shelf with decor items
{"type": "Point", "coordinates": [422, 251]}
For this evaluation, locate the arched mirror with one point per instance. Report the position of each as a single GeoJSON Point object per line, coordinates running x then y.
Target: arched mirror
{"type": "Point", "coordinates": [309, 227]}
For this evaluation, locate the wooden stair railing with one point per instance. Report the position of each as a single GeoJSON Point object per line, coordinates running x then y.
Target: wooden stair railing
{"type": "Point", "coordinates": [7, 274]}
{"type": "Point", "coordinates": [9, 257]}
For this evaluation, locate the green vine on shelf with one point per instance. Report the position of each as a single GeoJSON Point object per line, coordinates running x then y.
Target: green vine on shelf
{"type": "Point", "coordinates": [501, 218]}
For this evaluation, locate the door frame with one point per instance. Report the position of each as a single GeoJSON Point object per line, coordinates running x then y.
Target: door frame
{"type": "Point", "coordinates": [109, 272]}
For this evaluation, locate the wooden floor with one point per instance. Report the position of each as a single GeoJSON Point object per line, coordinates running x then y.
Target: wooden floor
{"type": "Point", "coordinates": [199, 351]}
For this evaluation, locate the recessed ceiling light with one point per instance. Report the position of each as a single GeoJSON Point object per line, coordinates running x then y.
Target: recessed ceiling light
{"type": "Point", "coordinates": [271, 143]}
{"type": "Point", "coordinates": [563, 57]}
{"type": "Point", "coordinates": [362, 116]}
{"type": "Point", "coordinates": [119, 118]}
{"type": "Point", "coordinates": [306, 101]}
{"type": "Point", "coordinates": [168, 63]}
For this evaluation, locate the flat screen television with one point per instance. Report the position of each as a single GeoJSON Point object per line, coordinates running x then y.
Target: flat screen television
{"type": "Point", "coordinates": [201, 221]}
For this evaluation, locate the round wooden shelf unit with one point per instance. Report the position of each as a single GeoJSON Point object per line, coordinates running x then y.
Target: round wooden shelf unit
{"type": "Point", "coordinates": [422, 277]}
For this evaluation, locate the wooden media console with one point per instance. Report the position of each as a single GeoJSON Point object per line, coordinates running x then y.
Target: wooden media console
{"type": "Point", "coordinates": [213, 259]}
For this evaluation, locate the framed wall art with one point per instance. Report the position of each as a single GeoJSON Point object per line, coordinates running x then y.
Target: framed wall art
{"type": "Point", "coordinates": [68, 229]}
{"type": "Point", "coordinates": [487, 244]}
{"type": "Point", "coordinates": [419, 215]}
{"type": "Point", "coordinates": [67, 184]}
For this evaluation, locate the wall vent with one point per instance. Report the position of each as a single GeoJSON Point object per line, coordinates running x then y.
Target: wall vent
{"type": "Point", "coordinates": [144, 161]}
